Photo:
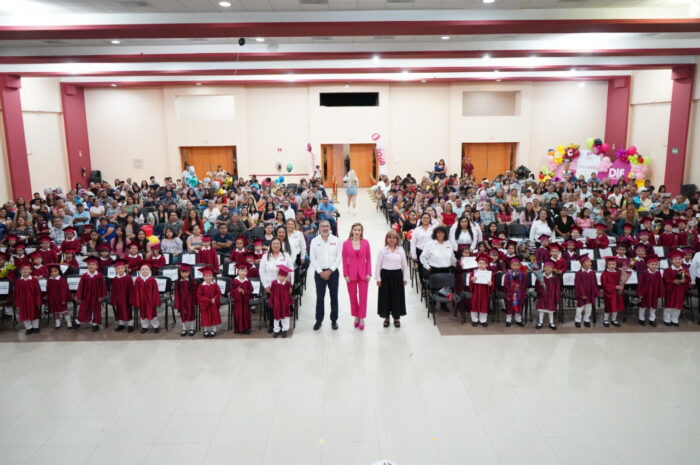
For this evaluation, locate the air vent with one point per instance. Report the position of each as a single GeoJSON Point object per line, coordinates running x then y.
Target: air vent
{"type": "Point", "coordinates": [313, 2]}
{"type": "Point", "coordinates": [384, 37]}
{"type": "Point", "coordinates": [134, 3]}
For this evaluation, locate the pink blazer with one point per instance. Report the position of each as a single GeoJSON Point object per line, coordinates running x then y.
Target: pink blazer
{"type": "Point", "coordinates": [357, 264]}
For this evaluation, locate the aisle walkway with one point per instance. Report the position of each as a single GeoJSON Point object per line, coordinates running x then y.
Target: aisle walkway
{"type": "Point", "coordinates": [346, 397]}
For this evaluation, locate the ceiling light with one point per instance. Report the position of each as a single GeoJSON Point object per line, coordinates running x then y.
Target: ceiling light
{"type": "Point", "coordinates": [423, 80]}
{"type": "Point", "coordinates": [495, 71]}
{"type": "Point", "coordinates": [581, 84]}
{"type": "Point", "coordinates": [113, 85]}
{"type": "Point", "coordinates": [498, 80]}
{"type": "Point", "coordinates": [573, 70]}
{"type": "Point", "coordinates": [199, 83]}
{"type": "Point", "coordinates": [347, 86]}
{"type": "Point", "coordinates": [445, 37]}
{"type": "Point", "coordinates": [375, 58]}
{"type": "Point", "coordinates": [487, 56]}
{"type": "Point", "coordinates": [260, 39]}
{"type": "Point", "coordinates": [116, 42]}
{"type": "Point", "coordinates": [489, 1]}
{"type": "Point", "coordinates": [224, 4]}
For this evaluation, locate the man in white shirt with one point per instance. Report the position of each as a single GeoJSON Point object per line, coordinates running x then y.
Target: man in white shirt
{"type": "Point", "coordinates": [325, 253]}
{"type": "Point", "coordinates": [289, 213]}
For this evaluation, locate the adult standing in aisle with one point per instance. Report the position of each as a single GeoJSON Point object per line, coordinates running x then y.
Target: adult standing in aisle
{"type": "Point", "coordinates": [326, 255]}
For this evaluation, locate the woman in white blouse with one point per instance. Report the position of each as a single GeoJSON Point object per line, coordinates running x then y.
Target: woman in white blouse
{"type": "Point", "coordinates": [438, 256]}
{"type": "Point", "coordinates": [297, 240]}
{"type": "Point", "coordinates": [269, 261]}
{"type": "Point", "coordinates": [422, 234]}
{"type": "Point", "coordinates": [541, 226]}
{"type": "Point", "coordinates": [464, 234]}
{"type": "Point", "coordinates": [391, 271]}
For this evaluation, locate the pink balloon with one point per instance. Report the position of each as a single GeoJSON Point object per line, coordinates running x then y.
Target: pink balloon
{"type": "Point", "coordinates": [604, 148]}
{"type": "Point", "coordinates": [632, 149]}
{"type": "Point", "coordinates": [308, 147]}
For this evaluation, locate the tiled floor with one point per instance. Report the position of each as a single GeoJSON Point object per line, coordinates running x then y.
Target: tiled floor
{"type": "Point", "coordinates": [345, 397]}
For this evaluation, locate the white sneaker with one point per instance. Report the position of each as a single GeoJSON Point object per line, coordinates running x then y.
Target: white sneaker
{"type": "Point", "coordinates": [58, 324]}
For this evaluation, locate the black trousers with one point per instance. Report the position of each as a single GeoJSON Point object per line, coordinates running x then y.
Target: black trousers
{"type": "Point", "coordinates": [321, 285]}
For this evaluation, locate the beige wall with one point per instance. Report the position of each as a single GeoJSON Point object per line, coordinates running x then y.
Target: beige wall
{"type": "Point", "coordinates": [5, 187]}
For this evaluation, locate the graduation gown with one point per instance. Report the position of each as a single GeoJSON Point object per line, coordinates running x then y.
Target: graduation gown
{"type": "Point", "coordinates": [146, 297]}
{"type": "Point", "coordinates": [156, 263]}
{"type": "Point", "coordinates": [281, 299]}
{"type": "Point", "coordinates": [639, 265]}
{"type": "Point", "coordinates": [650, 288]}
{"type": "Point", "coordinates": [91, 290]}
{"type": "Point", "coordinates": [19, 262]}
{"type": "Point", "coordinates": [548, 299]}
{"type": "Point", "coordinates": [122, 296]}
{"type": "Point", "coordinates": [612, 298]}
{"type": "Point", "coordinates": [627, 240]}
{"type": "Point", "coordinates": [72, 263]}
{"type": "Point", "coordinates": [542, 255]}
{"type": "Point", "coordinates": [238, 256]}
{"type": "Point", "coordinates": [648, 247]}
{"type": "Point", "coordinates": [253, 272]}
{"type": "Point", "coordinates": [585, 285]}
{"type": "Point", "coordinates": [185, 299]}
{"type": "Point", "coordinates": [48, 256]}
{"type": "Point", "coordinates": [209, 312]}
{"type": "Point", "coordinates": [57, 294]}
{"type": "Point", "coordinates": [133, 262]}
{"type": "Point", "coordinates": [40, 271]}
{"type": "Point", "coordinates": [687, 238]}
{"type": "Point", "coordinates": [104, 264]}
{"type": "Point", "coordinates": [601, 241]}
{"type": "Point", "coordinates": [241, 306]}
{"type": "Point", "coordinates": [675, 294]}
{"type": "Point", "coordinates": [570, 256]}
{"type": "Point", "coordinates": [561, 265]}
{"type": "Point", "coordinates": [515, 290]}
{"type": "Point", "coordinates": [73, 245]}
{"type": "Point", "coordinates": [481, 294]}
{"type": "Point", "coordinates": [209, 257]}
{"type": "Point", "coordinates": [667, 239]}
{"type": "Point", "coordinates": [27, 298]}
{"type": "Point", "coordinates": [622, 262]}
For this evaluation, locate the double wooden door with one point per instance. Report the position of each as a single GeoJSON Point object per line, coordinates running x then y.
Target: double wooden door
{"type": "Point", "coordinates": [208, 159]}
{"type": "Point", "coordinates": [489, 160]}
{"type": "Point", "coordinates": [364, 161]}
{"type": "Point", "coordinates": [334, 163]}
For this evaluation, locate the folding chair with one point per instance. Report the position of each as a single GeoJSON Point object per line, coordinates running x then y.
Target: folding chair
{"type": "Point", "coordinates": [7, 299]}
{"type": "Point", "coordinates": [257, 300]}
{"type": "Point", "coordinates": [165, 289]}
{"type": "Point", "coordinates": [518, 230]}
{"type": "Point", "coordinates": [225, 288]}
{"type": "Point", "coordinates": [436, 282]}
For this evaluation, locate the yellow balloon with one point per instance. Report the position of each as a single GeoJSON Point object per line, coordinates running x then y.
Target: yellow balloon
{"type": "Point", "coordinates": [561, 148]}
{"type": "Point", "coordinates": [153, 239]}
{"type": "Point", "coordinates": [639, 183]}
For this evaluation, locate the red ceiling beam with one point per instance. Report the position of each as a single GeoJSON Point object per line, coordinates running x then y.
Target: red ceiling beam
{"type": "Point", "coordinates": [345, 28]}
{"type": "Point", "coordinates": [295, 56]}
{"type": "Point", "coordinates": [302, 71]}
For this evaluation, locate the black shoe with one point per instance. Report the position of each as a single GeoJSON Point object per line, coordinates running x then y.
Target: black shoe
{"type": "Point", "coordinates": [191, 332]}
{"type": "Point", "coordinates": [615, 323]}
{"type": "Point", "coordinates": [144, 330]}
{"type": "Point", "coordinates": [28, 331]}
{"type": "Point", "coordinates": [520, 323]}
{"type": "Point", "coordinates": [317, 326]}
{"type": "Point", "coordinates": [334, 325]}
{"type": "Point", "coordinates": [206, 333]}
{"type": "Point", "coordinates": [652, 324]}
{"type": "Point", "coordinates": [269, 330]}
{"type": "Point", "coordinates": [508, 324]}
{"type": "Point", "coordinates": [95, 328]}
{"type": "Point", "coordinates": [76, 325]}
{"type": "Point", "coordinates": [674, 324]}
{"type": "Point", "coordinates": [156, 330]}
{"type": "Point", "coordinates": [276, 335]}
{"type": "Point", "coordinates": [538, 326]}
{"type": "Point", "coordinates": [120, 328]}
{"type": "Point", "coordinates": [129, 329]}
{"type": "Point", "coordinates": [553, 326]}
{"type": "Point", "coordinates": [212, 334]}
{"type": "Point", "coordinates": [284, 334]}
{"type": "Point", "coordinates": [606, 324]}
{"type": "Point", "coordinates": [36, 330]}
{"type": "Point", "coordinates": [667, 323]}
{"type": "Point", "coordinates": [577, 324]}
{"type": "Point", "coordinates": [587, 324]}
{"type": "Point", "coordinates": [246, 332]}
{"type": "Point", "coordinates": [642, 323]}
{"type": "Point", "coordinates": [484, 324]}
{"type": "Point", "coordinates": [235, 331]}
{"type": "Point", "coordinates": [386, 323]}
{"type": "Point", "coordinates": [475, 323]}
{"type": "Point", "coordinates": [183, 333]}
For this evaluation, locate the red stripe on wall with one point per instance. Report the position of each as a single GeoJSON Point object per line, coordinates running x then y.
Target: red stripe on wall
{"type": "Point", "coordinates": [617, 112]}
{"type": "Point", "coordinates": [345, 28]}
{"type": "Point", "coordinates": [77, 143]}
{"type": "Point", "coordinates": [15, 142]}
{"type": "Point", "coordinates": [679, 122]}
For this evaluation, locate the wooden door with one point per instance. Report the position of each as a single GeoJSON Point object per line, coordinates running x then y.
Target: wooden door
{"type": "Point", "coordinates": [327, 164]}
{"type": "Point", "coordinates": [208, 159]}
{"type": "Point", "coordinates": [362, 161]}
{"type": "Point", "coordinates": [490, 160]}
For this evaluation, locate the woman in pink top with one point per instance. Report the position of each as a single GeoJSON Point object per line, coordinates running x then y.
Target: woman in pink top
{"type": "Point", "coordinates": [391, 275]}
{"type": "Point", "coordinates": [357, 269]}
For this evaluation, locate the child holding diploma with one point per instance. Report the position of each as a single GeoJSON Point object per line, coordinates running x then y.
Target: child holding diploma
{"type": "Point", "coordinates": [481, 285]}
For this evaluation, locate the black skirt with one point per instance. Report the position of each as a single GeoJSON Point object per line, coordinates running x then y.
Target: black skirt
{"type": "Point", "coordinates": [392, 298]}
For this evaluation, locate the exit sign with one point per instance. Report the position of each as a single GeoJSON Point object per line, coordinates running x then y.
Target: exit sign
{"type": "Point", "coordinates": [674, 151]}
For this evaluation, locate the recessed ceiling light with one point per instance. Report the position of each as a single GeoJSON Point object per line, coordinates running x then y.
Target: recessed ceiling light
{"type": "Point", "coordinates": [199, 83]}
{"type": "Point", "coordinates": [347, 86]}
{"type": "Point", "coordinates": [224, 4]}
{"type": "Point", "coordinates": [115, 42]}
{"type": "Point", "coordinates": [487, 56]}
{"type": "Point", "coordinates": [498, 80]}
{"type": "Point", "coordinates": [495, 71]}
{"type": "Point", "coordinates": [375, 58]}
{"type": "Point", "coordinates": [423, 80]}
{"type": "Point", "coordinates": [489, 1]}
{"type": "Point", "coordinates": [113, 85]}
{"type": "Point", "coordinates": [573, 70]}
{"type": "Point", "coordinates": [445, 37]}
{"type": "Point", "coordinates": [260, 39]}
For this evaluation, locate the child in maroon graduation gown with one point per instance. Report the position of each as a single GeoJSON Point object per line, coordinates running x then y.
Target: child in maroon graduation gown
{"type": "Point", "coordinates": [48, 253]}
{"type": "Point", "coordinates": [68, 259]}
{"type": "Point", "coordinates": [686, 237]}
{"type": "Point", "coordinates": [241, 290]}
{"type": "Point", "coordinates": [70, 242]}
{"type": "Point", "coordinates": [91, 291]}
{"type": "Point", "coordinates": [610, 282]}
{"type": "Point", "coordinates": [155, 258]}
{"type": "Point", "coordinates": [147, 299]}
{"type": "Point", "coordinates": [133, 259]}
{"type": "Point", "coordinates": [586, 292]}
{"type": "Point", "coordinates": [515, 290]}
{"type": "Point", "coordinates": [28, 299]}
{"type": "Point", "coordinates": [600, 241]}
{"type": "Point", "coordinates": [667, 238]}
{"type": "Point", "coordinates": [650, 288]}
{"type": "Point", "coordinates": [58, 295]}
{"type": "Point", "coordinates": [208, 255]}
{"type": "Point", "coordinates": [20, 258]}
{"type": "Point", "coordinates": [281, 301]}
{"type": "Point", "coordinates": [105, 260]}
{"type": "Point", "coordinates": [639, 261]}
{"type": "Point", "coordinates": [121, 296]}
{"type": "Point", "coordinates": [239, 253]}
{"type": "Point", "coordinates": [542, 253]}
{"type": "Point", "coordinates": [209, 300]}
{"type": "Point", "coordinates": [39, 271]}
{"type": "Point", "coordinates": [185, 290]}
{"type": "Point", "coordinates": [560, 263]}
{"type": "Point", "coordinates": [481, 293]}
{"type": "Point", "coordinates": [548, 294]}
{"type": "Point", "coordinates": [676, 282]}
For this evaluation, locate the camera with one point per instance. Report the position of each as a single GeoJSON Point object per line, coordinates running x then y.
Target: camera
{"type": "Point", "coordinates": [241, 41]}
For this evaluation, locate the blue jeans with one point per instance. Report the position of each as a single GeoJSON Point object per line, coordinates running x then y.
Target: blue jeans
{"type": "Point", "coordinates": [321, 284]}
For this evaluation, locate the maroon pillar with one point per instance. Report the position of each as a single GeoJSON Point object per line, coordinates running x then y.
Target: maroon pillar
{"type": "Point", "coordinates": [617, 112]}
{"type": "Point", "coordinates": [681, 100]}
{"type": "Point", "coordinates": [15, 143]}
{"type": "Point", "coordinates": [77, 144]}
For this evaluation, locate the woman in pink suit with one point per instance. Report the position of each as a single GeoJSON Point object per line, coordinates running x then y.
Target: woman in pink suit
{"type": "Point", "coordinates": [357, 269]}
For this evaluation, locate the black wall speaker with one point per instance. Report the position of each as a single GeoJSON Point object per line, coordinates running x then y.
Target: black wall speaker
{"type": "Point", "coordinates": [689, 190]}
{"type": "Point", "coordinates": [96, 176]}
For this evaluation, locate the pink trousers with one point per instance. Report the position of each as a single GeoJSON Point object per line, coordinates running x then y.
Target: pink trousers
{"type": "Point", "coordinates": [358, 308]}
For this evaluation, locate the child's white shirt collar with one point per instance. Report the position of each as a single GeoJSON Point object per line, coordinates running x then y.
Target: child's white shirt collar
{"type": "Point", "coordinates": [241, 280]}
